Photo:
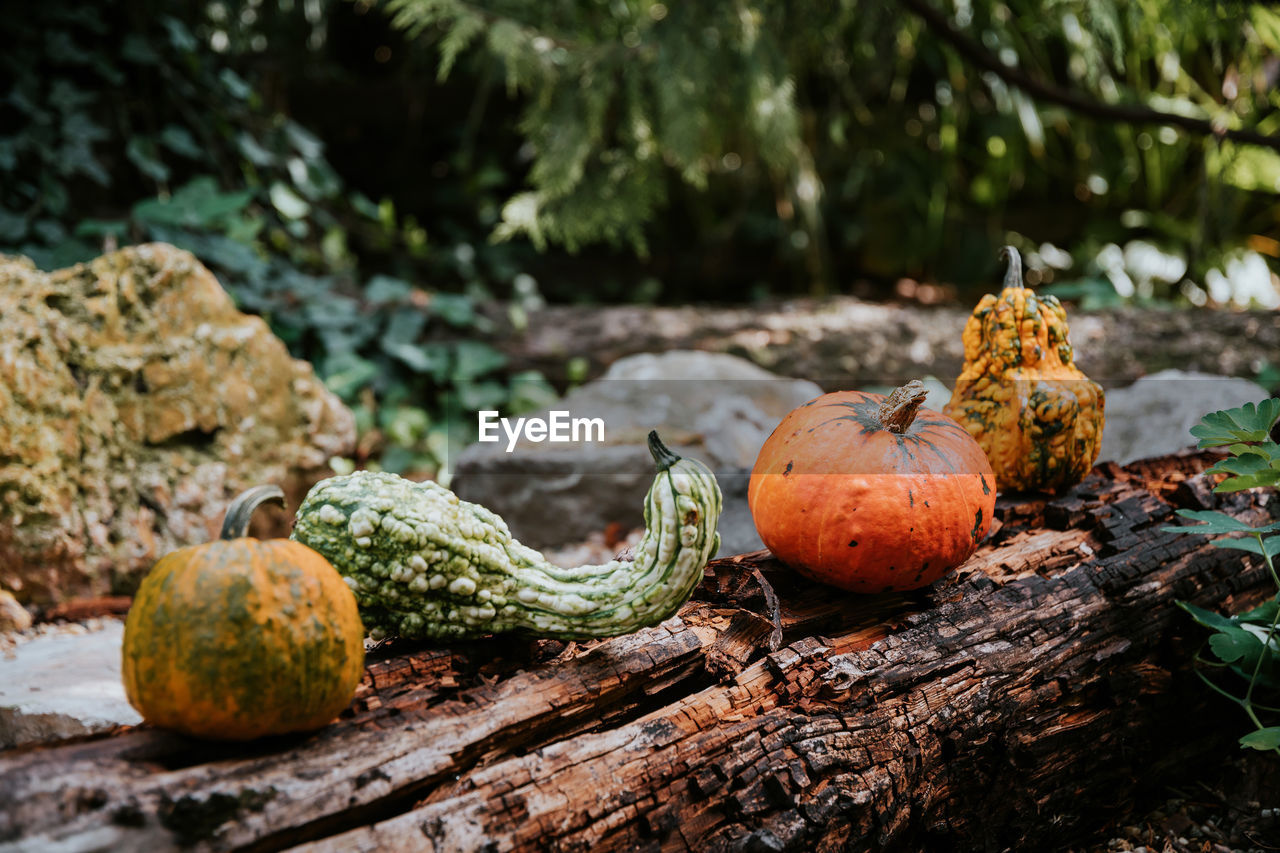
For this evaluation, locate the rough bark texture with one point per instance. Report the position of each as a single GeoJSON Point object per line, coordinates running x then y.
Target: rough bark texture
{"type": "Point", "coordinates": [1018, 703]}
{"type": "Point", "coordinates": [844, 341]}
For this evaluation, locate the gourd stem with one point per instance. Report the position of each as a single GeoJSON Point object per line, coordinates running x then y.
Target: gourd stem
{"type": "Point", "coordinates": [898, 411]}
{"type": "Point", "coordinates": [662, 456]}
{"type": "Point", "coordinates": [235, 524]}
{"type": "Point", "coordinates": [1012, 275]}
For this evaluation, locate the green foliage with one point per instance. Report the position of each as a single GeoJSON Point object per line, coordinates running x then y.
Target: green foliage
{"type": "Point", "coordinates": [1247, 644]}
{"type": "Point", "coordinates": [151, 120]}
{"type": "Point", "coordinates": [852, 130]}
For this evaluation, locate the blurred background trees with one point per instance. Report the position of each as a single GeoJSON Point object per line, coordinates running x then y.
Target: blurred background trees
{"type": "Point", "coordinates": [336, 160]}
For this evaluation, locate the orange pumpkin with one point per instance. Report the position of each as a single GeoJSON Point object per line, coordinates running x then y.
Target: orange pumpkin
{"type": "Point", "coordinates": [240, 638]}
{"type": "Point", "coordinates": [871, 493]}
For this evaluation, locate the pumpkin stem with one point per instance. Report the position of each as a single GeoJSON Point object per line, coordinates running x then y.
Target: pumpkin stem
{"type": "Point", "coordinates": [235, 524]}
{"type": "Point", "coordinates": [662, 456]}
{"type": "Point", "coordinates": [898, 411]}
{"type": "Point", "coordinates": [1012, 275]}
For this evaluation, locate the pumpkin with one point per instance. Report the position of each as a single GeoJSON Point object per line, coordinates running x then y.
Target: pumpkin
{"type": "Point", "coordinates": [871, 493]}
{"type": "Point", "coordinates": [424, 563]}
{"type": "Point", "coordinates": [240, 638]}
{"type": "Point", "coordinates": [1037, 416]}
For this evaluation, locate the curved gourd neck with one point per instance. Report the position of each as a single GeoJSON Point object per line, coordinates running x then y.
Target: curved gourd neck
{"type": "Point", "coordinates": [235, 524]}
{"type": "Point", "coordinates": [663, 457]}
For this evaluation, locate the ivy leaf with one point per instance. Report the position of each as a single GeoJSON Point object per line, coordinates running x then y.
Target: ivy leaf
{"type": "Point", "coordinates": [290, 204]}
{"type": "Point", "coordinates": [1250, 422]}
{"type": "Point", "coordinates": [382, 289]}
{"type": "Point", "coordinates": [404, 327]}
{"type": "Point", "coordinates": [473, 359]}
{"type": "Point", "coordinates": [416, 358]}
{"type": "Point", "coordinates": [455, 309]}
{"type": "Point", "coordinates": [347, 373]}
{"type": "Point", "coordinates": [1268, 738]}
{"type": "Point", "coordinates": [142, 153]}
{"type": "Point", "coordinates": [180, 141]}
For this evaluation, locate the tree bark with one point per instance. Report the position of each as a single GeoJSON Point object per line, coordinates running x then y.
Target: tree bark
{"type": "Point", "coordinates": [1018, 703]}
{"type": "Point", "coordinates": [841, 342]}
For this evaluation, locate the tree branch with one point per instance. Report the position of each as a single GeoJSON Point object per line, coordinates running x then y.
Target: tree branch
{"type": "Point", "coordinates": [1046, 91]}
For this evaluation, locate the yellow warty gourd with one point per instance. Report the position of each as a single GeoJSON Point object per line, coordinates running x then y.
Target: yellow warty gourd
{"type": "Point", "coordinates": [1037, 416]}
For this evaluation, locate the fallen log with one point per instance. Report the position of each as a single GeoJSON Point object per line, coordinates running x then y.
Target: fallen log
{"type": "Point", "coordinates": [1018, 703]}
{"type": "Point", "coordinates": [843, 341]}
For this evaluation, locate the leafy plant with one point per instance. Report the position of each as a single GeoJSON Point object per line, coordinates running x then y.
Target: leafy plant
{"type": "Point", "coordinates": [1247, 644]}
{"type": "Point", "coordinates": [874, 130]}
{"type": "Point", "coordinates": [158, 121]}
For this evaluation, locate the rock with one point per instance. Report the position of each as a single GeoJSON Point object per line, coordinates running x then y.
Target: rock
{"type": "Point", "coordinates": [710, 406]}
{"type": "Point", "coordinates": [135, 400]}
{"type": "Point", "coordinates": [13, 616]}
{"type": "Point", "coordinates": [63, 685]}
{"type": "Point", "coordinates": [1154, 415]}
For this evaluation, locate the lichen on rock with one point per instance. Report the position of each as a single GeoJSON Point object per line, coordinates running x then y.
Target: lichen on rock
{"type": "Point", "coordinates": [135, 401]}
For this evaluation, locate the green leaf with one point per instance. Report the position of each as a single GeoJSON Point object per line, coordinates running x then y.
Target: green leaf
{"type": "Point", "coordinates": [13, 227]}
{"type": "Point", "coordinates": [303, 141]}
{"type": "Point", "coordinates": [530, 392]}
{"type": "Point", "coordinates": [473, 359]}
{"type": "Point", "coordinates": [135, 49]}
{"type": "Point", "coordinates": [1270, 545]}
{"type": "Point", "coordinates": [405, 326]}
{"type": "Point", "coordinates": [1235, 644]}
{"type": "Point", "coordinates": [1262, 614]}
{"type": "Point", "coordinates": [142, 152]}
{"type": "Point", "coordinates": [1268, 738]}
{"type": "Point", "coordinates": [180, 141]}
{"type": "Point", "coordinates": [101, 228]}
{"type": "Point", "coordinates": [1251, 466]}
{"type": "Point", "coordinates": [290, 204]}
{"type": "Point", "coordinates": [473, 396]}
{"type": "Point", "coordinates": [382, 289]}
{"type": "Point", "coordinates": [236, 85]}
{"type": "Point", "coordinates": [1212, 522]}
{"type": "Point", "coordinates": [346, 374]}
{"type": "Point", "coordinates": [1250, 422]}
{"type": "Point", "coordinates": [179, 36]}
{"type": "Point", "coordinates": [455, 309]}
{"type": "Point", "coordinates": [1208, 618]}
{"type": "Point", "coordinates": [253, 150]}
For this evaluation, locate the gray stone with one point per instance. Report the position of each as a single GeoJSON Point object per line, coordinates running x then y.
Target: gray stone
{"type": "Point", "coordinates": [709, 406]}
{"type": "Point", "coordinates": [63, 685]}
{"type": "Point", "coordinates": [1154, 415]}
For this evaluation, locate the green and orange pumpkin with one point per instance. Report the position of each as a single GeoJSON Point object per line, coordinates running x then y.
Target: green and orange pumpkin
{"type": "Point", "coordinates": [240, 638]}
{"type": "Point", "coordinates": [871, 493]}
{"type": "Point", "coordinates": [1020, 395]}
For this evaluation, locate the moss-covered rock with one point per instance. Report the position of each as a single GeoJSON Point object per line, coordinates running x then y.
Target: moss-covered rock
{"type": "Point", "coordinates": [135, 400]}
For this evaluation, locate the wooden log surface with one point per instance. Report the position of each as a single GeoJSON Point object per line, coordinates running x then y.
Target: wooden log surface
{"type": "Point", "coordinates": [842, 341]}
{"type": "Point", "coordinates": [1018, 703]}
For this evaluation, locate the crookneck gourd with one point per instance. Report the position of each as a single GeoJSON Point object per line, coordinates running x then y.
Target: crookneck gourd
{"type": "Point", "coordinates": [424, 564]}
{"type": "Point", "coordinates": [1037, 416]}
{"type": "Point", "coordinates": [240, 638]}
{"type": "Point", "coordinates": [871, 493]}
